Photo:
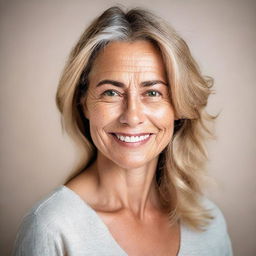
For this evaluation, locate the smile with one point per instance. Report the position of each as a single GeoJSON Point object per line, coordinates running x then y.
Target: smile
{"type": "Point", "coordinates": [132, 139]}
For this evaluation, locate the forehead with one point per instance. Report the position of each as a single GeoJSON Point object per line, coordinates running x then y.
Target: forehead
{"type": "Point", "coordinates": [138, 56]}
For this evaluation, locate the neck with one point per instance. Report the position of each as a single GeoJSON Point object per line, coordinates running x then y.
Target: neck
{"type": "Point", "coordinates": [133, 189]}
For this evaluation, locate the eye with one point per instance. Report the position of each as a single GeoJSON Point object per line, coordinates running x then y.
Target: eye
{"type": "Point", "coordinates": [110, 93]}
{"type": "Point", "coordinates": [153, 93]}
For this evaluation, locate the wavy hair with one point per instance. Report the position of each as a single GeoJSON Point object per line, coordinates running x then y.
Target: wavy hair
{"type": "Point", "coordinates": [181, 167]}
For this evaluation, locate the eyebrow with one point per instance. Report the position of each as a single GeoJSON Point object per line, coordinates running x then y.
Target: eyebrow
{"type": "Point", "coordinates": [120, 84]}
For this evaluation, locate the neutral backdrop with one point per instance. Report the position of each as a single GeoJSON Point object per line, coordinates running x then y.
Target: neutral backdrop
{"type": "Point", "coordinates": [36, 38]}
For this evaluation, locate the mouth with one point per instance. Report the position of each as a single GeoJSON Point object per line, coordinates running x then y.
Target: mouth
{"type": "Point", "coordinates": [132, 138]}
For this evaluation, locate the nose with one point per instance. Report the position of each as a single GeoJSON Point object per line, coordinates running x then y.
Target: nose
{"type": "Point", "coordinates": [133, 111]}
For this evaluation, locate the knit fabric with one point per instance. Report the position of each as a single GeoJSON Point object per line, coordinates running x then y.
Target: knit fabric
{"type": "Point", "coordinates": [63, 224]}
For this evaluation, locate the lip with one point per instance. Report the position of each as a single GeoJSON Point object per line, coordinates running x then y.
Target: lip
{"type": "Point", "coordinates": [131, 144]}
{"type": "Point", "coordinates": [131, 134]}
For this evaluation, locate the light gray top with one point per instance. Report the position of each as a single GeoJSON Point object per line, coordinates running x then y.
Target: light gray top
{"type": "Point", "coordinates": [65, 225]}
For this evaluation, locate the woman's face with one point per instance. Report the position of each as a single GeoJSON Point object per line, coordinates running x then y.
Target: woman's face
{"type": "Point", "coordinates": [128, 105]}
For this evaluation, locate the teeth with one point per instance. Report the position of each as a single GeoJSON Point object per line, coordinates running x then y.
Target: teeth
{"type": "Point", "coordinates": [132, 138]}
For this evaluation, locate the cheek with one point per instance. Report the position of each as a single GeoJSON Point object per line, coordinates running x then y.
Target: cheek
{"type": "Point", "coordinates": [101, 114]}
{"type": "Point", "coordinates": [163, 116]}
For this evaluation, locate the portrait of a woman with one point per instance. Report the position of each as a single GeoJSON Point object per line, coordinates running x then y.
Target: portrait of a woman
{"type": "Point", "coordinates": [132, 93]}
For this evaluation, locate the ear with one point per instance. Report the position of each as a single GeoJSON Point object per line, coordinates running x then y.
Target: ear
{"type": "Point", "coordinates": [176, 117]}
{"type": "Point", "coordinates": [84, 107]}
{"type": "Point", "coordinates": [86, 113]}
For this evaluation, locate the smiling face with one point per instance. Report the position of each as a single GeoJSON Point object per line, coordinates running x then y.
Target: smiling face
{"type": "Point", "coordinates": [128, 104]}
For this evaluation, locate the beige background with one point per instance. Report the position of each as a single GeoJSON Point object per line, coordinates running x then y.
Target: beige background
{"type": "Point", "coordinates": [36, 37]}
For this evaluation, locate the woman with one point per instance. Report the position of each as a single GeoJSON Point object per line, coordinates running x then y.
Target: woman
{"type": "Point", "coordinates": [133, 95]}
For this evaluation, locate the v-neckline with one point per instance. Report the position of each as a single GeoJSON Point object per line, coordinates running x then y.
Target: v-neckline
{"type": "Point", "coordinates": [105, 227]}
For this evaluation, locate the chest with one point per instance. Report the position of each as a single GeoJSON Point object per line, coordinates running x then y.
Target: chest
{"type": "Point", "coordinates": [155, 238]}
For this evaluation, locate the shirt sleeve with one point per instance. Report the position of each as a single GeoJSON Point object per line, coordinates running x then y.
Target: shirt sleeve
{"type": "Point", "coordinates": [227, 245]}
{"type": "Point", "coordinates": [219, 231]}
{"type": "Point", "coordinates": [34, 238]}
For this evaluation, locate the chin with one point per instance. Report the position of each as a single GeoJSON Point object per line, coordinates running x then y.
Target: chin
{"type": "Point", "coordinates": [132, 163]}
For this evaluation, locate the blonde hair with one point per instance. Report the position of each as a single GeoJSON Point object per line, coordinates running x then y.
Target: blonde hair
{"type": "Point", "coordinates": [180, 172]}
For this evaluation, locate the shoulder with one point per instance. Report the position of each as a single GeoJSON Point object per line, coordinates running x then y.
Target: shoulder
{"type": "Point", "coordinates": [50, 220]}
{"type": "Point", "coordinates": [58, 208]}
{"type": "Point", "coordinates": [213, 240]}
{"type": "Point", "coordinates": [218, 223]}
